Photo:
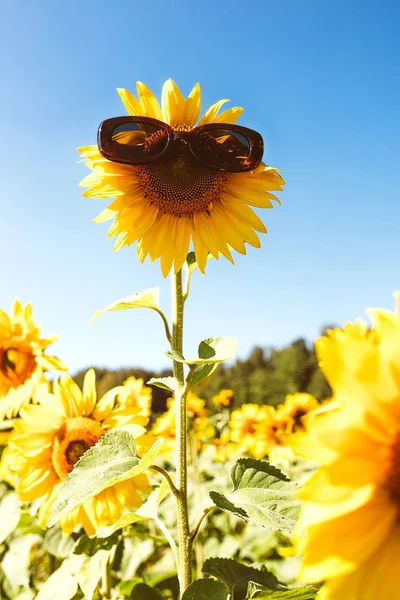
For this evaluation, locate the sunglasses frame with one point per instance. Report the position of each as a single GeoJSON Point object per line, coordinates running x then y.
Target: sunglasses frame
{"type": "Point", "coordinates": [107, 149]}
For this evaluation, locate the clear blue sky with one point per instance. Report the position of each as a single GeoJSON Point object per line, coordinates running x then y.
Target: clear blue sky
{"type": "Point", "coordinates": [320, 79]}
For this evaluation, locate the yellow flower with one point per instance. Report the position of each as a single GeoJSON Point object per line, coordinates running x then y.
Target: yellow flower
{"type": "Point", "coordinates": [136, 394]}
{"type": "Point", "coordinates": [164, 205]}
{"type": "Point", "coordinates": [253, 428]}
{"type": "Point", "coordinates": [290, 415]}
{"type": "Point", "coordinates": [224, 398]}
{"type": "Point", "coordinates": [351, 510]}
{"type": "Point", "coordinates": [22, 359]}
{"type": "Point", "coordinates": [51, 436]}
{"type": "Point", "coordinates": [164, 427]}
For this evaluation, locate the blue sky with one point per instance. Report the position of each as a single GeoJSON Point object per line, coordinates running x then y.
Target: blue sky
{"type": "Point", "coordinates": [319, 79]}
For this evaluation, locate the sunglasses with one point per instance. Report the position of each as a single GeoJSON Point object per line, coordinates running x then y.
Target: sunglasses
{"type": "Point", "coordinates": [142, 140]}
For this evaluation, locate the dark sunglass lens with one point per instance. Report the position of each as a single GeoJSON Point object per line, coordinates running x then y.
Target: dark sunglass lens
{"type": "Point", "coordinates": [221, 148]}
{"type": "Point", "coordinates": [138, 141]}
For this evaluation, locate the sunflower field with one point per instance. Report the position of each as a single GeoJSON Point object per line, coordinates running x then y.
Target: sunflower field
{"type": "Point", "coordinates": [201, 483]}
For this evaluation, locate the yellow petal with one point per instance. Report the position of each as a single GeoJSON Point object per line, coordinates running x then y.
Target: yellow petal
{"type": "Point", "coordinates": [131, 104]}
{"type": "Point", "coordinates": [340, 545]}
{"type": "Point", "coordinates": [148, 102]}
{"type": "Point", "coordinates": [89, 393]}
{"type": "Point", "coordinates": [193, 104]}
{"type": "Point", "coordinates": [173, 104]}
{"type": "Point", "coordinates": [211, 112]}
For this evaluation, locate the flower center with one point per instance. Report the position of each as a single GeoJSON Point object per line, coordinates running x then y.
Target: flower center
{"type": "Point", "coordinates": [180, 185]}
{"type": "Point", "coordinates": [16, 365]}
{"type": "Point", "coordinates": [297, 417]}
{"type": "Point", "coordinates": [71, 441]}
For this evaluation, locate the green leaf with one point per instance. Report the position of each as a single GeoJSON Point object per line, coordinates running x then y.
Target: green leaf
{"type": "Point", "coordinates": [202, 373]}
{"type": "Point", "coordinates": [237, 576]}
{"type": "Point", "coordinates": [300, 593]}
{"type": "Point", "coordinates": [146, 299]}
{"type": "Point", "coordinates": [261, 495]}
{"type": "Point", "coordinates": [142, 591]}
{"type": "Point", "coordinates": [211, 350]}
{"type": "Point", "coordinates": [91, 556]}
{"type": "Point", "coordinates": [206, 589]}
{"type": "Point", "coordinates": [57, 544]}
{"type": "Point", "coordinates": [89, 546]}
{"type": "Point", "coordinates": [10, 514]}
{"type": "Point", "coordinates": [192, 263]}
{"type": "Point", "coordinates": [148, 510]}
{"type": "Point", "coordinates": [166, 383]}
{"type": "Point", "coordinates": [113, 459]}
{"type": "Point", "coordinates": [61, 585]}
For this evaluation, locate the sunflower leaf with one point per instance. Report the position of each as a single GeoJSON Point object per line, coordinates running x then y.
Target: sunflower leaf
{"type": "Point", "coordinates": [10, 514]}
{"type": "Point", "coordinates": [204, 589]}
{"type": "Point", "coordinates": [62, 584]}
{"type": "Point", "coordinates": [202, 373]}
{"type": "Point", "coordinates": [261, 495]}
{"type": "Point", "coordinates": [146, 299]}
{"type": "Point", "coordinates": [236, 576]}
{"type": "Point", "coordinates": [260, 592]}
{"type": "Point", "coordinates": [165, 383]}
{"type": "Point", "coordinates": [113, 459]}
{"type": "Point", "coordinates": [211, 351]}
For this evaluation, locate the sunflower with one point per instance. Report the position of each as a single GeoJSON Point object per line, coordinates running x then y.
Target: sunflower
{"type": "Point", "coordinates": [290, 415]}
{"type": "Point", "coordinates": [253, 427]}
{"type": "Point", "coordinates": [351, 512]}
{"type": "Point", "coordinates": [164, 426]}
{"type": "Point", "coordinates": [164, 205]}
{"type": "Point", "coordinates": [22, 359]}
{"type": "Point", "coordinates": [51, 436]}
{"type": "Point", "coordinates": [136, 394]}
{"type": "Point", "coordinates": [224, 398]}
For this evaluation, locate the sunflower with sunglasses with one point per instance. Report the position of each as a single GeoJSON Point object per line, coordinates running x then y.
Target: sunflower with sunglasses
{"type": "Point", "coordinates": [174, 180]}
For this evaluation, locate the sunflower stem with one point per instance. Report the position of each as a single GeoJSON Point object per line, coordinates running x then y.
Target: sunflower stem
{"type": "Point", "coordinates": [185, 546]}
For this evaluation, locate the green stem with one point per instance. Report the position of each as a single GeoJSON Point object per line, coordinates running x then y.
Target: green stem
{"type": "Point", "coordinates": [185, 546]}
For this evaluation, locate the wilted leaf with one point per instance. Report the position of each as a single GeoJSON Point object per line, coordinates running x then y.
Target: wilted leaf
{"type": "Point", "coordinates": [237, 576]}
{"type": "Point", "coordinates": [145, 299]}
{"type": "Point", "coordinates": [206, 589]}
{"type": "Point", "coordinates": [113, 459]}
{"type": "Point", "coordinates": [261, 494]}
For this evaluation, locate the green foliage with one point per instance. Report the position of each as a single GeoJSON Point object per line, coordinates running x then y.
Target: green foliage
{"type": "Point", "coordinates": [261, 495]}
{"type": "Point", "coordinates": [206, 589]}
{"type": "Point", "coordinates": [10, 514]}
{"type": "Point", "coordinates": [165, 383]}
{"type": "Point", "coordinates": [113, 459]}
{"type": "Point", "coordinates": [210, 351]}
{"type": "Point", "coordinates": [145, 299]}
{"type": "Point", "coordinates": [62, 584]}
{"type": "Point", "coordinates": [301, 593]}
{"type": "Point", "coordinates": [236, 576]}
{"type": "Point", "coordinates": [268, 375]}
{"type": "Point", "coordinates": [57, 544]}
